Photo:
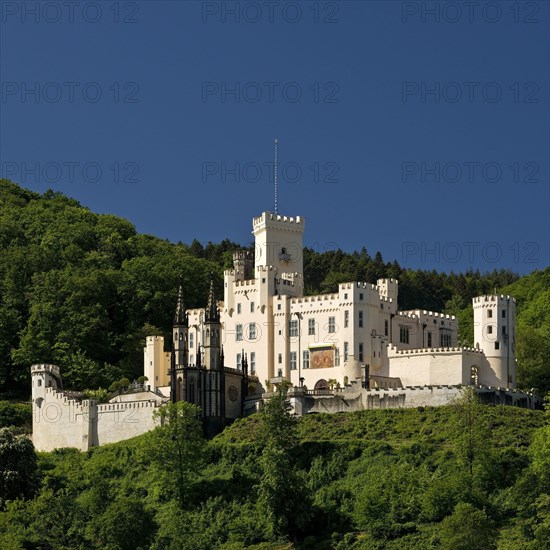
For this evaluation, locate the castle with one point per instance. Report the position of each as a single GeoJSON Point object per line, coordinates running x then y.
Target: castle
{"type": "Point", "coordinates": [349, 349]}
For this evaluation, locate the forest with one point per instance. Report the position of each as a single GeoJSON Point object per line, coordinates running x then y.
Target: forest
{"type": "Point", "coordinates": [461, 477]}
{"type": "Point", "coordinates": [82, 290]}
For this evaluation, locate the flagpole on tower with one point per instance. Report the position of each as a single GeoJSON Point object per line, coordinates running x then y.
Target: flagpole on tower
{"type": "Point", "coordinates": [275, 178]}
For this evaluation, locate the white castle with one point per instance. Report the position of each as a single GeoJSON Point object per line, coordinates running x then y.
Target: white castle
{"type": "Point", "coordinates": [353, 344]}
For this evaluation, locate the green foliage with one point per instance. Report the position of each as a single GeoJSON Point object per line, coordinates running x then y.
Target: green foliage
{"type": "Point", "coordinates": [18, 471]}
{"type": "Point", "coordinates": [15, 414]}
{"type": "Point", "coordinates": [467, 528]}
{"type": "Point", "coordinates": [176, 447]}
{"type": "Point", "coordinates": [386, 479]}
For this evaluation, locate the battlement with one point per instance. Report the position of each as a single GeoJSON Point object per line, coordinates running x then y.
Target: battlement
{"type": "Point", "coordinates": [480, 301]}
{"type": "Point", "coordinates": [266, 268]}
{"type": "Point", "coordinates": [426, 351]}
{"type": "Point", "coordinates": [419, 312]}
{"type": "Point", "coordinates": [151, 339]}
{"type": "Point", "coordinates": [243, 255]}
{"type": "Point", "coordinates": [52, 369]}
{"type": "Point", "coordinates": [62, 397]}
{"type": "Point", "coordinates": [409, 314]}
{"type": "Point", "coordinates": [268, 218]}
{"type": "Point", "coordinates": [124, 406]}
{"type": "Point", "coordinates": [380, 282]}
{"type": "Point", "coordinates": [311, 299]}
{"type": "Point", "coordinates": [245, 282]}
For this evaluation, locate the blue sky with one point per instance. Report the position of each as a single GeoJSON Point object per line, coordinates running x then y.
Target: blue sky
{"type": "Point", "coordinates": [421, 134]}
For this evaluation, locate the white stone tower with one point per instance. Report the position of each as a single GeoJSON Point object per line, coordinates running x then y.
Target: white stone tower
{"type": "Point", "coordinates": [43, 377]}
{"type": "Point", "coordinates": [494, 333]}
{"type": "Point", "coordinates": [278, 241]}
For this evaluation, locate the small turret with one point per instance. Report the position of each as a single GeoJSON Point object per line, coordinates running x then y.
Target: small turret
{"type": "Point", "coordinates": [180, 331]}
{"type": "Point", "coordinates": [212, 333]}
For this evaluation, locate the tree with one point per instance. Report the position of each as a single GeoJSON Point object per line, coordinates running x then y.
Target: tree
{"type": "Point", "coordinates": [282, 491]}
{"type": "Point", "coordinates": [467, 528]}
{"type": "Point", "coordinates": [18, 469]}
{"type": "Point", "coordinates": [176, 447]}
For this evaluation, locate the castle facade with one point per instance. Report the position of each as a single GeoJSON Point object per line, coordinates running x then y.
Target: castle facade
{"type": "Point", "coordinates": [225, 356]}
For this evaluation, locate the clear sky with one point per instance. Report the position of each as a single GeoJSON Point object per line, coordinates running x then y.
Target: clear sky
{"type": "Point", "coordinates": [423, 134]}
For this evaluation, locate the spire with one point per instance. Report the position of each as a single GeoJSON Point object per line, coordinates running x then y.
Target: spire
{"type": "Point", "coordinates": [275, 174]}
{"type": "Point", "coordinates": [212, 313]}
{"type": "Point", "coordinates": [180, 317]}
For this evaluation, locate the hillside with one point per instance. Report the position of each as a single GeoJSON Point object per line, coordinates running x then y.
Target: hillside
{"type": "Point", "coordinates": [82, 290]}
{"type": "Point", "coordinates": [388, 479]}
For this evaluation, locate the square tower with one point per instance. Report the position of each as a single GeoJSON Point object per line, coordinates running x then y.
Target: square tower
{"type": "Point", "coordinates": [278, 243]}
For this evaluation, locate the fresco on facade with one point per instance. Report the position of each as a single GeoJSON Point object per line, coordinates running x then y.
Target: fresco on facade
{"type": "Point", "coordinates": [321, 358]}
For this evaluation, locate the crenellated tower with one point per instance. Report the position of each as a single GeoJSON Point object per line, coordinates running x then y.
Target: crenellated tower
{"type": "Point", "coordinates": [494, 334]}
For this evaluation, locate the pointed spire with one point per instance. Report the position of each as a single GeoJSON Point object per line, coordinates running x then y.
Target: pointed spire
{"type": "Point", "coordinates": [212, 313]}
{"type": "Point", "coordinates": [180, 317]}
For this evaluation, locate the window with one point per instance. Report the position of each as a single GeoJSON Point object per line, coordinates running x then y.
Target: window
{"type": "Point", "coordinates": [239, 308]}
{"type": "Point", "coordinates": [489, 313]}
{"type": "Point", "coordinates": [39, 382]}
{"type": "Point", "coordinates": [239, 333]}
{"type": "Point", "coordinates": [293, 328]}
{"type": "Point", "coordinates": [386, 328]}
{"type": "Point", "coordinates": [445, 339]}
{"type": "Point", "coordinates": [311, 326]}
{"type": "Point", "coordinates": [381, 306]}
{"type": "Point", "coordinates": [191, 339]}
{"type": "Point", "coordinates": [280, 358]}
{"type": "Point", "coordinates": [331, 324]}
{"type": "Point", "coordinates": [360, 352]}
{"type": "Point", "coordinates": [429, 339]}
{"type": "Point", "coordinates": [361, 296]}
{"type": "Point", "coordinates": [346, 347]}
{"type": "Point", "coordinates": [279, 306]}
{"type": "Point", "coordinates": [252, 362]}
{"type": "Point", "coordinates": [191, 359]}
{"type": "Point", "coordinates": [360, 319]}
{"type": "Point", "coordinates": [252, 331]}
{"type": "Point", "coordinates": [503, 313]}
{"type": "Point", "coordinates": [404, 334]}
{"type": "Point", "coordinates": [345, 296]}
{"type": "Point", "coordinates": [497, 345]}
{"type": "Point", "coordinates": [305, 359]}
{"type": "Point", "coordinates": [503, 331]}
{"type": "Point", "coordinates": [292, 360]}
{"type": "Point", "coordinates": [346, 318]}
{"type": "Point", "coordinates": [251, 307]}
{"type": "Point", "coordinates": [490, 329]}
{"type": "Point", "coordinates": [336, 357]}
{"type": "Point", "coordinates": [238, 361]}
{"type": "Point", "coordinates": [280, 373]}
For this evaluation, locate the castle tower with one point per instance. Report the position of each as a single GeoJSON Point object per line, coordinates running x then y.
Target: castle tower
{"type": "Point", "coordinates": [278, 243]}
{"type": "Point", "coordinates": [212, 332]}
{"type": "Point", "coordinates": [243, 264]}
{"type": "Point", "coordinates": [44, 377]}
{"type": "Point", "coordinates": [494, 333]}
